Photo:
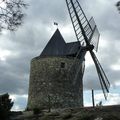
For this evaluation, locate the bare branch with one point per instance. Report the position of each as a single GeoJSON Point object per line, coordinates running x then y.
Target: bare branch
{"type": "Point", "coordinates": [11, 14]}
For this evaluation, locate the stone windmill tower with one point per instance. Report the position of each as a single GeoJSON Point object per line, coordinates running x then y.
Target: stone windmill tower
{"type": "Point", "coordinates": [56, 75]}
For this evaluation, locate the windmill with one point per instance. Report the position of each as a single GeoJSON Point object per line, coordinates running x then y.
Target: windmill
{"type": "Point", "coordinates": [56, 75]}
{"type": "Point", "coordinates": [87, 33]}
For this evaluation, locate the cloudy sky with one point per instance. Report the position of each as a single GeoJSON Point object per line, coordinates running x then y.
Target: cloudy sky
{"type": "Point", "coordinates": [18, 48]}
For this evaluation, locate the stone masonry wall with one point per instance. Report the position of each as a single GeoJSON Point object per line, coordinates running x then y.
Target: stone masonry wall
{"type": "Point", "coordinates": [55, 82]}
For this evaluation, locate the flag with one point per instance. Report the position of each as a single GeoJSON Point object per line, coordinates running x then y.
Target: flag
{"type": "Point", "coordinates": [55, 23]}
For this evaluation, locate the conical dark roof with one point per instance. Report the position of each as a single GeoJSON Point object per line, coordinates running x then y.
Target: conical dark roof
{"type": "Point", "coordinates": [58, 47]}
{"type": "Point", "coordinates": [55, 46]}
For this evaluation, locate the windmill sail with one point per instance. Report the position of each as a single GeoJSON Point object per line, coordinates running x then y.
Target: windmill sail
{"type": "Point", "coordinates": [76, 13]}
{"type": "Point", "coordinates": [96, 35]}
{"type": "Point", "coordinates": [105, 84]}
{"type": "Point", "coordinates": [87, 32]}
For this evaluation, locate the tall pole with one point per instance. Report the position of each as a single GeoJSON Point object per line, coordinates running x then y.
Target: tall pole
{"type": "Point", "coordinates": [93, 101]}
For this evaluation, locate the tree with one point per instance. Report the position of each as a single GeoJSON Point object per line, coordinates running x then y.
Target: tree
{"type": "Point", "coordinates": [5, 106]}
{"type": "Point", "coordinates": [118, 5]}
{"type": "Point", "coordinates": [11, 14]}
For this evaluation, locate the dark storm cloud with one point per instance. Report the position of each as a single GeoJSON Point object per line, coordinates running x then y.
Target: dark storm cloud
{"type": "Point", "coordinates": [27, 43]}
{"type": "Point", "coordinates": [90, 79]}
{"type": "Point", "coordinates": [46, 12]}
{"type": "Point", "coordinates": [107, 19]}
{"type": "Point", "coordinates": [37, 29]}
{"type": "Point", "coordinates": [107, 56]}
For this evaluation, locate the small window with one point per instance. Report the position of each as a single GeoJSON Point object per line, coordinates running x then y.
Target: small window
{"type": "Point", "coordinates": [62, 65]}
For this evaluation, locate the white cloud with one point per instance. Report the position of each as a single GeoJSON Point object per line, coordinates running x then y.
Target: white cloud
{"type": "Point", "coordinates": [2, 4]}
{"type": "Point", "coordinates": [112, 99]}
{"type": "Point", "coordinates": [17, 49]}
{"type": "Point", "coordinates": [87, 104]}
{"type": "Point", "coordinates": [15, 97]}
{"type": "Point", "coordinates": [17, 108]}
{"type": "Point", "coordinates": [116, 84]}
{"type": "Point", "coordinates": [4, 54]}
{"type": "Point", "coordinates": [116, 66]}
{"type": "Point", "coordinates": [20, 102]}
{"type": "Point", "coordinates": [88, 60]}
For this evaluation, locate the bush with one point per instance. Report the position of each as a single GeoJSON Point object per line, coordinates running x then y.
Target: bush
{"type": "Point", "coordinates": [5, 106]}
